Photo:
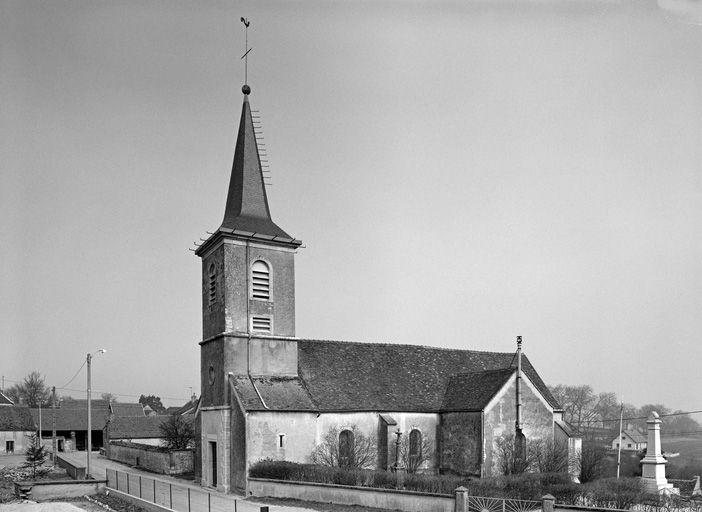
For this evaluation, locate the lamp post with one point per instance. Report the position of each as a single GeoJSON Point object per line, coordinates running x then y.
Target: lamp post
{"type": "Point", "coordinates": [89, 447]}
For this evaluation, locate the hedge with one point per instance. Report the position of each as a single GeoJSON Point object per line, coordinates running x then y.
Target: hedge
{"type": "Point", "coordinates": [526, 486]}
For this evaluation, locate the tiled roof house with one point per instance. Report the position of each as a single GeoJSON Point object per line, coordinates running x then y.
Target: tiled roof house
{"type": "Point", "coordinates": [16, 425]}
{"type": "Point", "coordinates": [268, 394]}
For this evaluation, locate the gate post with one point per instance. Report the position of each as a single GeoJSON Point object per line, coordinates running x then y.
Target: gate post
{"type": "Point", "coordinates": [547, 503]}
{"type": "Point", "coordinates": [462, 499]}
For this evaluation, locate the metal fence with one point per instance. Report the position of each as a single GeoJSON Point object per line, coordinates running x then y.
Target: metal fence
{"type": "Point", "coordinates": [479, 504]}
{"type": "Point", "coordinates": [174, 496]}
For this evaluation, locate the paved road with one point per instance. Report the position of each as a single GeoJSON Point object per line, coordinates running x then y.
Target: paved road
{"type": "Point", "coordinates": [179, 493]}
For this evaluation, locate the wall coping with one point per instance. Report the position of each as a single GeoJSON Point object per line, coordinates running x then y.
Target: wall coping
{"type": "Point", "coordinates": [59, 482]}
{"type": "Point", "coordinates": [354, 487]}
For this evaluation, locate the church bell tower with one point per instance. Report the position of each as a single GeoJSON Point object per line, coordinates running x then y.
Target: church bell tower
{"type": "Point", "coordinates": [248, 281]}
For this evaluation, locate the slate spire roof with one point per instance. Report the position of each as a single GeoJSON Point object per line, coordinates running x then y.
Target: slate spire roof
{"type": "Point", "coordinates": [247, 203]}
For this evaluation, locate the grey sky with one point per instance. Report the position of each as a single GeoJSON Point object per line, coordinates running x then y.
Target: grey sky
{"type": "Point", "coordinates": [460, 173]}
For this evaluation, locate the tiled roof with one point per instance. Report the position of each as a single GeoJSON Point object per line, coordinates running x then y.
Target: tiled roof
{"type": "Point", "coordinates": [136, 427]}
{"type": "Point", "coordinates": [473, 391]}
{"type": "Point", "coordinates": [73, 418]}
{"type": "Point", "coordinates": [636, 436]}
{"type": "Point", "coordinates": [348, 376]}
{"type": "Point", "coordinates": [277, 393]}
{"type": "Point", "coordinates": [120, 409]}
{"type": "Point", "coordinates": [15, 418]}
{"type": "Point", "coordinates": [5, 400]}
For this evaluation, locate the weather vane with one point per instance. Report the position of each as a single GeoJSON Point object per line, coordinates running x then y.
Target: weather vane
{"type": "Point", "coordinates": [246, 87]}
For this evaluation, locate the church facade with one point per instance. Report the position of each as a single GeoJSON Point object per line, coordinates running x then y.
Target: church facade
{"type": "Point", "coordinates": [267, 394]}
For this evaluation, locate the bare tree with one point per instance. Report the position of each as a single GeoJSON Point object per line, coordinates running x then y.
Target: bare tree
{"type": "Point", "coordinates": [549, 456]}
{"type": "Point", "coordinates": [593, 460]}
{"type": "Point", "coordinates": [412, 457]}
{"type": "Point", "coordinates": [177, 432]}
{"type": "Point", "coordinates": [353, 449]}
{"type": "Point", "coordinates": [509, 461]}
{"type": "Point", "coordinates": [32, 390]}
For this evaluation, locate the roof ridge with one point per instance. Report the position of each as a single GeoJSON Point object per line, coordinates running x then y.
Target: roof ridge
{"type": "Point", "coordinates": [391, 344]}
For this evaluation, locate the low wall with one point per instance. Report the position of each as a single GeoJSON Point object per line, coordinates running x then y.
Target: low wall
{"type": "Point", "coordinates": [74, 471]}
{"type": "Point", "coordinates": [51, 489]}
{"type": "Point", "coordinates": [348, 495]}
{"type": "Point", "coordinates": [158, 460]}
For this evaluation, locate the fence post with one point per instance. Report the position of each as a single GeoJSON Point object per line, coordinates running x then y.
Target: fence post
{"type": "Point", "coordinates": [188, 499]}
{"type": "Point", "coordinates": [209, 502]}
{"type": "Point", "coordinates": [127, 474]}
{"type": "Point", "coordinates": [461, 499]}
{"type": "Point", "coordinates": [547, 503]}
{"type": "Point", "coordinates": [140, 486]}
{"type": "Point", "coordinates": [170, 495]}
{"type": "Point", "coordinates": [154, 490]}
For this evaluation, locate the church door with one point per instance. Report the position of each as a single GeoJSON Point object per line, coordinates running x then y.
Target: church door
{"type": "Point", "coordinates": [213, 459]}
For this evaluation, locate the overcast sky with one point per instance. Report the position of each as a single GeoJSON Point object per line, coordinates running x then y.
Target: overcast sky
{"type": "Point", "coordinates": [460, 173]}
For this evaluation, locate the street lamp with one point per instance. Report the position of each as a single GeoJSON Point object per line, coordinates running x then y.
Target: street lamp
{"type": "Point", "coordinates": [90, 434]}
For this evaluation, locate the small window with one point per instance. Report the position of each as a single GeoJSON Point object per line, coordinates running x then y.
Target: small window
{"type": "Point", "coordinates": [629, 445]}
{"type": "Point", "coordinates": [212, 283]}
{"type": "Point", "coordinates": [211, 375]}
{"type": "Point", "coordinates": [415, 450]}
{"type": "Point", "coordinates": [346, 449]}
{"type": "Point", "coordinates": [281, 440]}
{"type": "Point", "coordinates": [261, 323]}
{"type": "Point", "coordinates": [260, 280]}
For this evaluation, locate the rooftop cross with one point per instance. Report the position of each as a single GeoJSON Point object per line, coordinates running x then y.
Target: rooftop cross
{"type": "Point", "coordinates": [246, 89]}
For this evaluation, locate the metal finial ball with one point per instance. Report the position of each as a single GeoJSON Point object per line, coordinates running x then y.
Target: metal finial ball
{"type": "Point", "coordinates": [246, 89]}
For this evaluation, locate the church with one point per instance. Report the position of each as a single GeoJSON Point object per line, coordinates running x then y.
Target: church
{"type": "Point", "coordinates": [267, 394]}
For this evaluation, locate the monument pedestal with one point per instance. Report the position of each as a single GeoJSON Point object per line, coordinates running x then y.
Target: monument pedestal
{"type": "Point", "coordinates": [653, 464]}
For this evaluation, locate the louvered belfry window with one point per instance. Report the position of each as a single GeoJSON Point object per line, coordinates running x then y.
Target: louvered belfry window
{"type": "Point", "coordinates": [212, 284]}
{"type": "Point", "coordinates": [261, 323]}
{"type": "Point", "coordinates": [261, 280]}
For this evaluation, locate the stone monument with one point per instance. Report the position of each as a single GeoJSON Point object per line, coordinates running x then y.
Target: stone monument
{"type": "Point", "coordinates": [653, 464]}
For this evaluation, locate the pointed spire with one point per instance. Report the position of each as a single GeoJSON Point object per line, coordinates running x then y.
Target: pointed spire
{"type": "Point", "coordinates": [247, 203]}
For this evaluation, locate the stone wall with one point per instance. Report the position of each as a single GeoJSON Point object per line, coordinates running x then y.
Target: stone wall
{"type": "Point", "coordinates": [216, 428]}
{"type": "Point", "coordinates": [461, 443]}
{"type": "Point", "coordinates": [158, 460]}
{"type": "Point", "coordinates": [19, 439]}
{"type": "Point", "coordinates": [500, 416]}
{"type": "Point", "coordinates": [347, 495]}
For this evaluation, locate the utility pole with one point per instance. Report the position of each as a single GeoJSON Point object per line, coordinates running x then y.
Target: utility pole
{"type": "Point", "coordinates": [519, 439]}
{"type": "Point", "coordinates": [619, 439]}
{"type": "Point", "coordinates": [90, 436]}
{"type": "Point", "coordinates": [90, 432]}
{"type": "Point", "coordinates": [40, 441]}
{"type": "Point", "coordinates": [53, 426]}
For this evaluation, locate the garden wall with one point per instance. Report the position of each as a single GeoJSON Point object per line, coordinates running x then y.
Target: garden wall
{"type": "Point", "coordinates": [348, 495]}
{"type": "Point", "coordinates": [153, 458]}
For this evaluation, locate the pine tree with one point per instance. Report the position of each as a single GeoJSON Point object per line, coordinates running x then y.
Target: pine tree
{"type": "Point", "coordinates": [35, 455]}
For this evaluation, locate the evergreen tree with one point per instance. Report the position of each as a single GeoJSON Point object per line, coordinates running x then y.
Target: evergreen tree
{"type": "Point", "coordinates": [35, 455]}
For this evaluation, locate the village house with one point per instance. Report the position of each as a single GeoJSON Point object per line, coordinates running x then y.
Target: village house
{"type": "Point", "coordinates": [16, 426]}
{"type": "Point", "coordinates": [268, 394]}
{"type": "Point", "coordinates": [71, 422]}
{"type": "Point", "coordinates": [630, 440]}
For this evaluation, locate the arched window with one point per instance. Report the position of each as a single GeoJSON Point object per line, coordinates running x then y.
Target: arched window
{"type": "Point", "coordinates": [261, 280]}
{"type": "Point", "coordinates": [346, 449]}
{"type": "Point", "coordinates": [211, 272]}
{"type": "Point", "coordinates": [415, 451]}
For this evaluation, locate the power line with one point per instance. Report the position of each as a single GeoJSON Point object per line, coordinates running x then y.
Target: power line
{"type": "Point", "coordinates": [607, 420]}
{"type": "Point", "coordinates": [64, 388]}
{"type": "Point", "coordinates": [74, 376]}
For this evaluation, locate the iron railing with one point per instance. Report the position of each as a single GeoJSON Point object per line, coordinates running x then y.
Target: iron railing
{"type": "Point", "coordinates": [174, 496]}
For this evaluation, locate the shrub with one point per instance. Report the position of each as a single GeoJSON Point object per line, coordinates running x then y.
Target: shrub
{"type": "Point", "coordinates": [620, 493]}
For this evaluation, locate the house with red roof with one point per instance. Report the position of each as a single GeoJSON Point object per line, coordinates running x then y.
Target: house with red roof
{"type": "Point", "coordinates": [267, 394]}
